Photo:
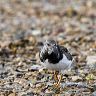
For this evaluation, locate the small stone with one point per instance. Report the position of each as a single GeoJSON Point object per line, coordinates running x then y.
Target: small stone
{"type": "Point", "coordinates": [91, 61]}
{"type": "Point", "coordinates": [38, 85]}
{"type": "Point", "coordinates": [90, 77]}
{"type": "Point", "coordinates": [34, 68]}
{"type": "Point", "coordinates": [22, 94]}
{"type": "Point", "coordinates": [76, 78]}
{"type": "Point", "coordinates": [94, 93]}
{"type": "Point", "coordinates": [19, 75]}
{"type": "Point", "coordinates": [94, 86]}
{"type": "Point", "coordinates": [23, 82]}
{"type": "Point", "coordinates": [36, 32]}
{"type": "Point", "coordinates": [30, 93]}
{"type": "Point", "coordinates": [49, 84]}
{"type": "Point", "coordinates": [12, 94]}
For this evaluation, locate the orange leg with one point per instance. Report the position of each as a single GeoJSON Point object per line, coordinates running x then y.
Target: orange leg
{"type": "Point", "coordinates": [57, 78]}
{"type": "Point", "coordinates": [56, 75]}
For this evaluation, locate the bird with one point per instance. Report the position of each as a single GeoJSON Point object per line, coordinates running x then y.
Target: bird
{"type": "Point", "coordinates": [55, 57]}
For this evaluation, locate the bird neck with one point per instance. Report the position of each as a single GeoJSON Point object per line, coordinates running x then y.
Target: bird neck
{"type": "Point", "coordinates": [55, 58]}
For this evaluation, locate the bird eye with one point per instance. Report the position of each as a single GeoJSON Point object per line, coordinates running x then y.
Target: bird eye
{"type": "Point", "coordinates": [48, 44]}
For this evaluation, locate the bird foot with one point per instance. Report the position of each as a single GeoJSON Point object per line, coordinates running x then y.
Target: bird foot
{"type": "Point", "coordinates": [57, 85]}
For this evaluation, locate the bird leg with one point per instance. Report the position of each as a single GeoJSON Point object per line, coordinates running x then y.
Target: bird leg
{"type": "Point", "coordinates": [57, 78]}
{"type": "Point", "coordinates": [56, 75]}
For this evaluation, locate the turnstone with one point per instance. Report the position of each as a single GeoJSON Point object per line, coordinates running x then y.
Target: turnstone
{"type": "Point", "coordinates": [55, 57]}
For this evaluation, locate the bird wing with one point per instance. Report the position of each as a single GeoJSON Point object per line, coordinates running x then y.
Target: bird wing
{"type": "Point", "coordinates": [66, 52]}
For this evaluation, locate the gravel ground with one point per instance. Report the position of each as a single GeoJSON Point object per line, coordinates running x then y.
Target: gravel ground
{"type": "Point", "coordinates": [25, 24]}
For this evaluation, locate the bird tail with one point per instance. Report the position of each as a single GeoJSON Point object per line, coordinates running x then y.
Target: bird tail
{"type": "Point", "coordinates": [74, 66]}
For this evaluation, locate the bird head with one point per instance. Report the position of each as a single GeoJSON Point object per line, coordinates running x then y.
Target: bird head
{"type": "Point", "coordinates": [50, 47]}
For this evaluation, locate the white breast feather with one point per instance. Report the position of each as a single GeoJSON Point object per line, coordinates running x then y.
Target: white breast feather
{"type": "Point", "coordinates": [63, 64]}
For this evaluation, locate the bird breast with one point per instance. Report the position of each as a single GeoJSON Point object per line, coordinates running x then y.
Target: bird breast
{"type": "Point", "coordinates": [63, 64]}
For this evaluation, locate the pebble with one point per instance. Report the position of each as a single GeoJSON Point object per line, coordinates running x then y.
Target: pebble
{"type": "Point", "coordinates": [12, 94]}
{"type": "Point", "coordinates": [76, 78]}
{"type": "Point", "coordinates": [94, 93]}
{"type": "Point", "coordinates": [91, 61]}
{"type": "Point", "coordinates": [35, 68]}
{"type": "Point", "coordinates": [36, 32]}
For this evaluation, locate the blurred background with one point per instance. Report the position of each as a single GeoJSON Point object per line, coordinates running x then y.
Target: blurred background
{"type": "Point", "coordinates": [25, 24]}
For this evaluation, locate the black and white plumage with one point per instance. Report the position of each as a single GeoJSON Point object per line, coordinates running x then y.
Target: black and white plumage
{"type": "Point", "coordinates": [55, 57]}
